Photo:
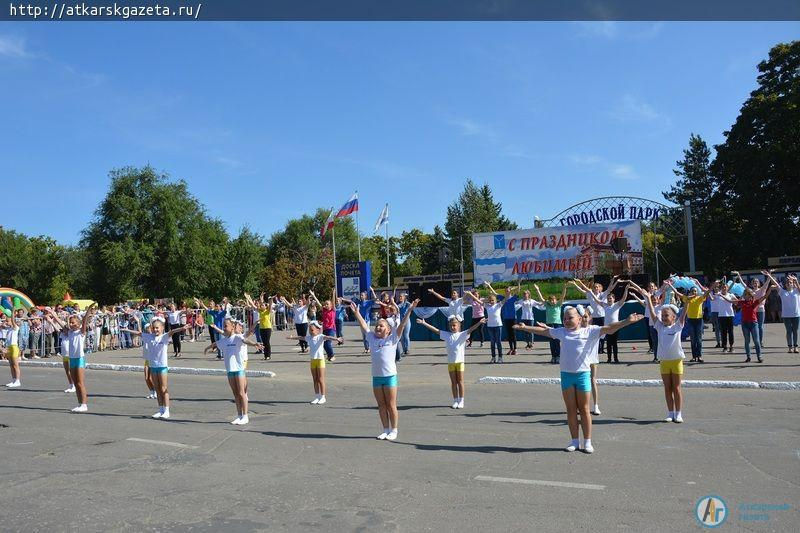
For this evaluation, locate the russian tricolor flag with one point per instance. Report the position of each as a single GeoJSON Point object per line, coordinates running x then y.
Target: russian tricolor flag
{"type": "Point", "coordinates": [349, 207]}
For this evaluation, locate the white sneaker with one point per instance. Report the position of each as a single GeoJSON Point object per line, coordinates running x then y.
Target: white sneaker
{"type": "Point", "coordinates": [668, 419]}
{"type": "Point", "coordinates": [588, 448]}
{"type": "Point", "coordinates": [454, 406]}
{"type": "Point", "coordinates": [392, 435]}
{"type": "Point", "coordinates": [14, 384]}
{"type": "Point", "coordinates": [461, 404]}
{"type": "Point", "coordinates": [315, 401]}
{"type": "Point", "coordinates": [82, 408]}
{"type": "Point", "coordinates": [158, 415]}
{"type": "Point", "coordinates": [322, 400]}
{"type": "Point", "coordinates": [679, 419]}
{"type": "Point", "coordinates": [382, 436]}
{"type": "Point", "coordinates": [70, 389]}
{"type": "Point", "coordinates": [165, 414]}
{"type": "Point", "coordinates": [596, 411]}
{"type": "Point", "coordinates": [570, 448]}
{"type": "Point", "coordinates": [236, 421]}
{"type": "Point", "coordinates": [244, 420]}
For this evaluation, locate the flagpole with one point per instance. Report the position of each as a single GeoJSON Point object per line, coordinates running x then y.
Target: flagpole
{"type": "Point", "coordinates": [358, 233]}
{"type": "Point", "coordinates": [388, 279]}
{"type": "Point", "coordinates": [335, 281]}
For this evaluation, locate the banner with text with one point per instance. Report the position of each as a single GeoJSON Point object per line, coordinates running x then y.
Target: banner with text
{"type": "Point", "coordinates": [575, 251]}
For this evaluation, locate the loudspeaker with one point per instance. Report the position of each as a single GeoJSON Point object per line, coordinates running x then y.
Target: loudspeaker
{"type": "Point", "coordinates": [619, 245]}
{"type": "Point", "coordinates": [420, 290]}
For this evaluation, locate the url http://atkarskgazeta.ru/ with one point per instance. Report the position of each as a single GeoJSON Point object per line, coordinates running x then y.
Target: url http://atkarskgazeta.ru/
{"type": "Point", "coordinates": [66, 10]}
{"type": "Point", "coordinates": [758, 512]}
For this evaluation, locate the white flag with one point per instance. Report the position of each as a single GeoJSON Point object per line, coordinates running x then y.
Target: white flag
{"type": "Point", "coordinates": [382, 219]}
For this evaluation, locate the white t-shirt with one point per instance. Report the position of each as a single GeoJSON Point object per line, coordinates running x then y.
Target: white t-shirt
{"type": "Point", "coordinates": [12, 336]}
{"type": "Point", "coordinates": [597, 311]}
{"type": "Point", "coordinates": [527, 307]}
{"type": "Point", "coordinates": [229, 346]}
{"type": "Point", "coordinates": [300, 314]}
{"type": "Point", "coordinates": [243, 350]}
{"type": "Point", "coordinates": [669, 341]}
{"type": "Point", "coordinates": [577, 347]}
{"type": "Point", "coordinates": [790, 303]}
{"type": "Point", "coordinates": [455, 308]}
{"type": "Point", "coordinates": [725, 307]}
{"type": "Point", "coordinates": [316, 346]}
{"type": "Point", "coordinates": [715, 300]}
{"type": "Point", "coordinates": [382, 352]}
{"type": "Point", "coordinates": [155, 350]}
{"type": "Point", "coordinates": [75, 340]}
{"type": "Point", "coordinates": [174, 318]}
{"type": "Point", "coordinates": [493, 314]}
{"type": "Point", "coordinates": [455, 343]}
{"type": "Point", "coordinates": [611, 312]}
{"type": "Point", "coordinates": [760, 294]}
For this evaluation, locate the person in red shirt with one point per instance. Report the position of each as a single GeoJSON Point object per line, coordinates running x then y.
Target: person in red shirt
{"type": "Point", "coordinates": [749, 306]}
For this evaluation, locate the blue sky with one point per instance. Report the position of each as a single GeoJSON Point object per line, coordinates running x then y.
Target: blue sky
{"type": "Point", "coordinates": [266, 121]}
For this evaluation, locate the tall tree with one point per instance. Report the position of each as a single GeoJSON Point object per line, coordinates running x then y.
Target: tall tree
{"type": "Point", "coordinates": [474, 211]}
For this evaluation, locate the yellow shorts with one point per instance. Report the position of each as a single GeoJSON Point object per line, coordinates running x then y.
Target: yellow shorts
{"type": "Point", "coordinates": [146, 363]}
{"type": "Point", "coordinates": [65, 359]}
{"type": "Point", "coordinates": [317, 363]}
{"type": "Point", "coordinates": [455, 367]}
{"type": "Point", "coordinates": [673, 366]}
{"type": "Point", "coordinates": [13, 352]}
{"type": "Point", "coordinates": [244, 364]}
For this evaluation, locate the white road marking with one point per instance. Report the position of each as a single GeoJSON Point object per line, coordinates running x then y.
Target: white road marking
{"type": "Point", "coordinates": [563, 484]}
{"type": "Point", "coordinates": [164, 442]}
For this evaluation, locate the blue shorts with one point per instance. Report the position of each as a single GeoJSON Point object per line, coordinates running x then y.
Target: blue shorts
{"type": "Point", "coordinates": [582, 381]}
{"type": "Point", "coordinates": [388, 381]}
{"type": "Point", "coordinates": [159, 369]}
{"type": "Point", "coordinates": [236, 374]}
{"type": "Point", "coordinates": [77, 362]}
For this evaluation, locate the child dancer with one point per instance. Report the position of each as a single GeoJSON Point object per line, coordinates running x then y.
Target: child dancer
{"type": "Point", "coordinates": [455, 340]}
{"type": "Point", "coordinates": [328, 323]}
{"type": "Point", "coordinates": [300, 311]}
{"type": "Point", "coordinates": [790, 307]}
{"type": "Point", "coordinates": [528, 304]}
{"type": "Point", "coordinates": [611, 314]}
{"type": "Point", "coordinates": [669, 323]}
{"type": "Point", "coordinates": [552, 309]}
{"type": "Point", "coordinates": [494, 321]}
{"type": "Point", "coordinates": [75, 340]}
{"type": "Point", "coordinates": [577, 344]}
{"type": "Point", "coordinates": [63, 332]}
{"type": "Point", "coordinates": [749, 306]}
{"type": "Point", "coordinates": [724, 301]}
{"type": "Point", "coordinates": [11, 349]}
{"type": "Point", "coordinates": [383, 348]}
{"type": "Point", "coordinates": [316, 341]}
{"type": "Point", "coordinates": [229, 343]}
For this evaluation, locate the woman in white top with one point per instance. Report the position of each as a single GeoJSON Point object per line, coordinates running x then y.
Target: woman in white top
{"type": "Point", "coordinates": [668, 322]}
{"type": "Point", "coordinates": [493, 307]}
{"type": "Point", "coordinates": [455, 341]}
{"type": "Point", "coordinates": [455, 304]}
{"type": "Point", "coordinates": [724, 302]}
{"type": "Point", "coordinates": [383, 350]}
{"type": "Point", "coordinates": [611, 310]}
{"type": "Point", "coordinates": [300, 316]}
{"type": "Point", "coordinates": [790, 307]}
{"type": "Point", "coordinates": [316, 343]}
{"type": "Point", "coordinates": [577, 346]}
{"type": "Point", "coordinates": [174, 317]}
{"type": "Point", "coordinates": [11, 349]}
{"type": "Point", "coordinates": [528, 304]}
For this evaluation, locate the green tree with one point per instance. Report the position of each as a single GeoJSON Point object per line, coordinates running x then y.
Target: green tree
{"type": "Point", "coordinates": [474, 211]}
{"type": "Point", "coordinates": [150, 237]}
{"type": "Point", "coordinates": [33, 265]}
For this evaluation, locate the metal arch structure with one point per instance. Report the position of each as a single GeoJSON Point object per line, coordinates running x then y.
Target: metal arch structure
{"type": "Point", "coordinates": [671, 220]}
{"type": "Point", "coordinates": [665, 219]}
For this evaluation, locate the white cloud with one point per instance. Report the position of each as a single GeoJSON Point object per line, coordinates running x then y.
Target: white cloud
{"type": "Point", "coordinates": [470, 128]}
{"type": "Point", "coordinates": [599, 164]}
{"type": "Point", "coordinates": [624, 172]}
{"type": "Point", "coordinates": [494, 140]}
{"type": "Point", "coordinates": [14, 47]}
{"type": "Point", "coordinates": [583, 159]}
{"type": "Point", "coordinates": [630, 108]}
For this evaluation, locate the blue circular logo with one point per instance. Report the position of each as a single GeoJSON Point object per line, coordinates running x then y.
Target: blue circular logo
{"type": "Point", "coordinates": [711, 511]}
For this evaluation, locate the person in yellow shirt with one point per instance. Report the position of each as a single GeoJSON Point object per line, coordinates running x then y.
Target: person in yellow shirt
{"type": "Point", "coordinates": [694, 317]}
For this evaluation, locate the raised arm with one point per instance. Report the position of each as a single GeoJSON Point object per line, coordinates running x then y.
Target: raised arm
{"type": "Point", "coordinates": [579, 285]}
{"type": "Point", "coordinates": [406, 318]}
{"type": "Point", "coordinates": [421, 322]}
{"type": "Point", "coordinates": [563, 294]}
{"type": "Point", "coordinates": [616, 326]}
{"type": "Point", "coordinates": [489, 285]}
{"type": "Point", "coordinates": [476, 325]}
{"type": "Point", "coordinates": [538, 329]}
{"type": "Point", "coordinates": [364, 326]}
{"type": "Point", "coordinates": [648, 301]}
{"type": "Point", "coordinates": [314, 298]}
{"type": "Point", "coordinates": [539, 292]}
{"type": "Point", "coordinates": [439, 296]}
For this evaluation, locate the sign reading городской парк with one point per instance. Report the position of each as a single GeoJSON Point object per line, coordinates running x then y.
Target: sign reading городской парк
{"type": "Point", "coordinates": [611, 214]}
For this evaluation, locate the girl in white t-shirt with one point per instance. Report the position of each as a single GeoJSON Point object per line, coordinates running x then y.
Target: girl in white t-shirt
{"type": "Point", "coordinates": [669, 322]}
{"type": "Point", "coordinates": [527, 305]}
{"type": "Point", "coordinates": [63, 331]}
{"type": "Point", "coordinates": [75, 344]}
{"type": "Point", "coordinates": [300, 316]}
{"type": "Point", "coordinates": [578, 344]}
{"type": "Point", "coordinates": [383, 350]}
{"type": "Point", "coordinates": [455, 340]}
{"type": "Point", "coordinates": [230, 343]}
{"type": "Point", "coordinates": [11, 349]}
{"type": "Point", "coordinates": [316, 348]}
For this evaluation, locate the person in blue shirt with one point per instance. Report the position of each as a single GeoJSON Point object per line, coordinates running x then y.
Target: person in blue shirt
{"type": "Point", "coordinates": [218, 314]}
{"type": "Point", "coordinates": [341, 316]}
{"type": "Point", "coordinates": [509, 315]}
{"type": "Point", "coordinates": [364, 304]}
{"type": "Point", "coordinates": [403, 305]}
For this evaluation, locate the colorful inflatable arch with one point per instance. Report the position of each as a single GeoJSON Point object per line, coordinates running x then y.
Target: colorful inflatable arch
{"type": "Point", "coordinates": [19, 300]}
